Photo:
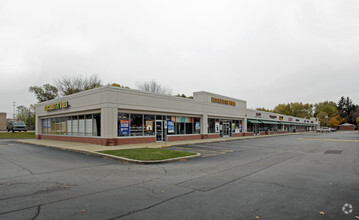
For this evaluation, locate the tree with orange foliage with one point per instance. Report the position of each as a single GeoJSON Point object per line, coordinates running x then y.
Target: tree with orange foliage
{"type": "Point", "coordinates": [335, 121]}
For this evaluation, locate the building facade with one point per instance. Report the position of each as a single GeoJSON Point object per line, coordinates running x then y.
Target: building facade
{"type": "Point", "coordinates": [3, 121]}
{"type": "Point", "coordinates": [114, 116]}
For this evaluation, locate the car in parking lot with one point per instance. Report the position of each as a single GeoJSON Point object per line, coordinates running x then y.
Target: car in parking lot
{"type": "Point", "coordinates": [16, 126]}
{"type": "Point", "coordinates": [324, 129]}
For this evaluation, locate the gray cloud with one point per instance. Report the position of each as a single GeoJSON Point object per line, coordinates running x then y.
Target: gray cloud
{"type": "Point", "coordinates": [265, 52]}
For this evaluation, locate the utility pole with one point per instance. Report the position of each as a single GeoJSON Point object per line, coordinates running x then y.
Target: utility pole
{"type": "Point", "coordinates": [13, 104]}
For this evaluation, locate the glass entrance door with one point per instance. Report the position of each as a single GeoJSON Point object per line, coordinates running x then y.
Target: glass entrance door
{"type": "Point", "coordinates": [159, 131]}
{"type": "Point", "coordinates": [256, 129]}
{"type": "Point", "coordinates": [226, 129]}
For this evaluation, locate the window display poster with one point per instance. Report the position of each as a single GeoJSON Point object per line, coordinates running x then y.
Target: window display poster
{"type": "Point", "coordinates": [197, 126]}
{"type": "Point", "coordinates": [240, 128]}
{"type": "Point", "coordinates": [171, 127]}
{"type": "Point", "coordinates": [217, 127]}
{"type": "Point", "coordinates": [124, 127]}
{"type": "Point", "coordinates": [149, 126]}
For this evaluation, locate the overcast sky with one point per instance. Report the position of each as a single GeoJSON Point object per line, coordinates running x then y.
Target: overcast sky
{"type": "Point", "coordinates": [264, 52]}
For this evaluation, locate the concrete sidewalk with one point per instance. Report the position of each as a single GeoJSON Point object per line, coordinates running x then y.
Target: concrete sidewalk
{"type": "Point", "coordinates": [93, 148]}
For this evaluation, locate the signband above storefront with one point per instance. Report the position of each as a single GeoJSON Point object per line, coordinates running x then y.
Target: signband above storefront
{"type": "Point", "coordinates": [223, 101]}
{"type": "Point", "coordinates": [56, 106]}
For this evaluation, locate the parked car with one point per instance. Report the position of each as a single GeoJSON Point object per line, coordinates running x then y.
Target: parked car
{"type": "Point", "coordinates": [333, 129]}
{"type": "Point", "coordinates": [323, 129]}
{"type": "Point", "coordinates": [16, 126]}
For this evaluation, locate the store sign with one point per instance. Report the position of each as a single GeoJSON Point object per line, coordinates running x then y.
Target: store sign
{"type": "Point", "coordinates": [171, 127]}
{"type": "Point", "coordinates": [296, 119]}
{"type": "Point", "coordinates": [124, 127]}
{"type": "Point", "coordinates": [56, 106]}
{"type": "Point", "coordinates": [223, 101]}
{"type": "Point", "coordinates": [281, 118]}
{"type": "Point", "coordinates": [290, 119]}
{"type": "Point", "coordinates": [273, 116]}
{"type": "Point", "coordinates": [149, 126]}
{"type": "Point", "coordinates": [258, 115]}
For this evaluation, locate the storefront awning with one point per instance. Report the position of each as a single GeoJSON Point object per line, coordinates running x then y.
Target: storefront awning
{"type": "Point", "coordinates": [254, 121]}
{"type": "Point", "coordinates": [269, 122]}
{"type": "Point", "coordinates": [285, 123]}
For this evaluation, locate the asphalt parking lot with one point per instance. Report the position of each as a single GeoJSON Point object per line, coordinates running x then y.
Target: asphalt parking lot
{"type": "Point", "coordinates": [302, 176]}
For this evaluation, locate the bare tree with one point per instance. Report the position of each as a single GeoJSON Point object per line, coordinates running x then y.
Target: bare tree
{"type": "Point", "coordinates": [68, 85]}
{"type": "Point", "coordinates": [153, 87]}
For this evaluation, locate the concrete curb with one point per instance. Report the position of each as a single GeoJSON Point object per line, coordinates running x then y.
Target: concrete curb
{"type": "Point", "coordinates": [230, 139]}
{"type": "Point", "coordinates": [150, 161]}
{"type": "Point", "coordinates": [122, 159]}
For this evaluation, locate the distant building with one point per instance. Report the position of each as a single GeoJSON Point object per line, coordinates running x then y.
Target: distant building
{"type": "Point", "coordinates": [346, 127]}
{"type": "Point", "coordinates": [3, 121]}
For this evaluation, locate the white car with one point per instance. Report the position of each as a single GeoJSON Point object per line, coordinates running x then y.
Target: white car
{"type": "Point", "coordinates": [323, 129]}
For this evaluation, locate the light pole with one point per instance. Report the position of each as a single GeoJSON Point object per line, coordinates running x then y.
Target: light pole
{"type": "Point", "coordinates": [326, 119]}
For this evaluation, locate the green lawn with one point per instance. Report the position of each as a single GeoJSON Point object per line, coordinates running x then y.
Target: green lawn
{"type": "Point", "coordinates": [148, 153]}
{"type": "Point", "coordinates": [16, 135]}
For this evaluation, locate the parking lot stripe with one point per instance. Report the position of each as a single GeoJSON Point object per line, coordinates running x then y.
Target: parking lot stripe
{"type": "Point", "coordinates": [313, 139]}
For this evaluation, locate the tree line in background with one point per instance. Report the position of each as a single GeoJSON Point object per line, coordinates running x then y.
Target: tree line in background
{"type": "Point", "coordinates": [329, 113]}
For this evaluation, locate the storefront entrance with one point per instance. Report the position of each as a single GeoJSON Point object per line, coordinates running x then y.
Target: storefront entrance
{"type": "Point", "coordinates": [226, 129]}
{"type": "Point", "coordinates": [159, 131]}
{"type": "Point", "coordinates": [256, 129]}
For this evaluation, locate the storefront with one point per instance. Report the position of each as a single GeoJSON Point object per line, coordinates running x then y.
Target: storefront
{"type": "Point", "coordinates": [114, 116]}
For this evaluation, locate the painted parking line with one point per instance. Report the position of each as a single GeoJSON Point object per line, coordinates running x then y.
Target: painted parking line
{"type": "Point", "coordinates": [313, 139]}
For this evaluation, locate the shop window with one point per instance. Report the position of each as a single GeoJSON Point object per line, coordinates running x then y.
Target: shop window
{"type": "Point", "coordinates": [123, 124]}
{"type": "Point", "coordinates": [197, 125]}
{"type": "Point", "coordinates": [53, 126]}
{"type": "Point", "coordinates": [180, 128]}
{"type": "Point", "coordinates": [62, 125]}
{"type": "Point", "coordinates": [69, 125]}
{"type": "Point", "coordinates": [236, 126]}
{"type": "Point", "coordinates": [44, 126]}
{"type": "Point", "coordinates": [88, 125]}
{"type": "Point", "coordinates": [75, 126]}
{"type": "Point", "coordinates": [171, 125]}
{"type": "Point", "coordinates": [189, 128]}
{"type": "Point", "coordinates": [96, 125]}
{"type": "Point", "coordinates": [136, 126]}
{"type": "Point", "coordinates": [149, 122]}
{"type": "Point", "coordinates": [81, 125]}
{"type": "Point", "coordinates": [213, 125]}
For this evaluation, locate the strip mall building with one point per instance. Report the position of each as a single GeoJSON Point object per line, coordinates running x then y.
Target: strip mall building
{"type": "Point", "coordinates": [114, 116]}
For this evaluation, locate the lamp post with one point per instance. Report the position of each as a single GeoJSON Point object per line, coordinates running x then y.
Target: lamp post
{"type": "Point", "coordinates": [326, 119]}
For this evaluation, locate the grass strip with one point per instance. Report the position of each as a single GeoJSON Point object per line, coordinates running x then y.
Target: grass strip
{"type": "Point", "coordinates": [148, 153]}
{"type": "Point", "coordinates": [16, 135]}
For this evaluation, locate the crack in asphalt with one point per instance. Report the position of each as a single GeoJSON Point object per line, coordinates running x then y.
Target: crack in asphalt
{"type": "Point", "coordinates": [19, 166]}
{"type": "Point", "coordinates": [151, 206]}
{"type": "Point", "coordinates": [230, 168]}
{"type": "Point", "coordinates": [272, 183]}
{"type": "Point", "coordinates": [37, 213]}
{"type": "Point", "coordinates": [56, 171]}
{"type": "Point", "coordinates": [88, 194]}
{"type": "Point", "coordinates": [46, 189]}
